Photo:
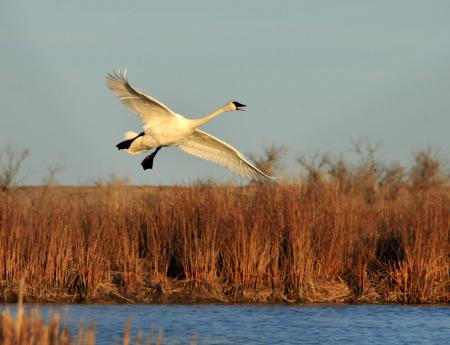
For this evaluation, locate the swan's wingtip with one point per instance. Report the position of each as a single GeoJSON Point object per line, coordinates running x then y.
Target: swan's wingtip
{"type": "Point", "coordinates": [269, 180]}
{"type": "Point", "coordinates": [273, 181]}
{"type": "Point", "coordinates": [119, 73]}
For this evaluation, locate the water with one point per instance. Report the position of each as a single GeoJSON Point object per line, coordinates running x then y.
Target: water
{"type": "Point", "coordinates": [274, 324]}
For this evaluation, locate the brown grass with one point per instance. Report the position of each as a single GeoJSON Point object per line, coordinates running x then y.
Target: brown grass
{"type": "Point", "coordinates": [30, 328]}
{"type": "Point", "coordinates": [342, 236]}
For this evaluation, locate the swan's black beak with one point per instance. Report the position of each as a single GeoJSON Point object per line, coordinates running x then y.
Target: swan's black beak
{"type": "Point", "coordinates": [239, 106]}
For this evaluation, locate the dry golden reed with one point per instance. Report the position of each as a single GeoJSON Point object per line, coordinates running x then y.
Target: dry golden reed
{"type": "Point", "coordinates": [30, 328]}
{"type": "Point", "coordinates": [324, 240]}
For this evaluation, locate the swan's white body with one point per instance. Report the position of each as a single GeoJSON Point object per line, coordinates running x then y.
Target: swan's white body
{"type": "Point", "coordinates": [163, 127]}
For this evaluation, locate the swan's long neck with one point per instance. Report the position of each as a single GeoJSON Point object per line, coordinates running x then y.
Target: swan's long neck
{"type": "Point", "coordinates": [198, 122]}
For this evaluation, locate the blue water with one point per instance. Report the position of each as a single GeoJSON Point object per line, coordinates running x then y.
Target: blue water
{"type": "Point", "coordinates": [274, 324]}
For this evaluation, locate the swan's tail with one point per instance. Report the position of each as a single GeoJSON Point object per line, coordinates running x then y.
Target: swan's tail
{"type": "Point", "coordinates": [132, 143]}
{"type": "Point", "coordinates": [130, 135]}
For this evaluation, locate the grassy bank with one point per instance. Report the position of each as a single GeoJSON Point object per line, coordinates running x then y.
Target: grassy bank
{"type": "Point", "coordinates": [324, 240]}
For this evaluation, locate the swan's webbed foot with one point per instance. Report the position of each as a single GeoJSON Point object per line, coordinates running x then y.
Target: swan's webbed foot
{"type": "Point", "coordinates": [124, 145]}
{"type": "Point", "coordinates": [147, 163]}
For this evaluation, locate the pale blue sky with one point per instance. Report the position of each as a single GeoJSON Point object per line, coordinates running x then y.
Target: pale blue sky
{"type": "Point", "coordinates": [314, 74]}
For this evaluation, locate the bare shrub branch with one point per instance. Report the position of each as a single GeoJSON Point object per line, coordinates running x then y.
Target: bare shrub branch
{"type": "Point", "coordinates": [10, 165]}
{"type": "Point", "coordinates": [271, 161]}
{"type": "Point", "coordinates": [50, 178]}
{"type": "Point", "coordinates": [314, 165]}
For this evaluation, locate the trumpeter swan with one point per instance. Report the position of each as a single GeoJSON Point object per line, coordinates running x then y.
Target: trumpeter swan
{"type": "Point", "coordinates": [163, 127]}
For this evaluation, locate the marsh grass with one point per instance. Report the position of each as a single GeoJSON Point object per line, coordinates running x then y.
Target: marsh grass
{"type": "Point", "coordinates": [30, 328]}
{"type": "Point", "coordinates": [342, 235]}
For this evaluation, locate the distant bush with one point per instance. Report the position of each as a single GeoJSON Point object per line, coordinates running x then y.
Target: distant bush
{"type": "Point", "coordinates": [11, 160]}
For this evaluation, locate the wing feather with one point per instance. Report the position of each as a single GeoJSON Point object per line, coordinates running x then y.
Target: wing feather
{"type": "Point", "coordinates": [148, 109]}
{"type": "Point", "coordinates": [206, 146]}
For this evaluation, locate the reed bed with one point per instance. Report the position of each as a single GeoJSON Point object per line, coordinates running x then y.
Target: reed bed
{"type": "Point", "coordinates": [322, 240]}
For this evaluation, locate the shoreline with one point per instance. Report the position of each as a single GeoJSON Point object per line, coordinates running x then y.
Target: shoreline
{"type": "Point", "coordinates": [206, 302]}
{"type": "Point", "coordinates": [188, 298]}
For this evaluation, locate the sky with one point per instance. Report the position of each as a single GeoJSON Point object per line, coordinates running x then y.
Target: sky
{"type": "Point", "coordinates": [314, 75]}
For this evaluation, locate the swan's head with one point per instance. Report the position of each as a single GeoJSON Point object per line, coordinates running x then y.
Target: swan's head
{"type": "Point", "coordinates": [233, 106]}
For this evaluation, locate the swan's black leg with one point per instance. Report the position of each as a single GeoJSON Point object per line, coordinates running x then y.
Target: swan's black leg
{"type": "Point", "coordinates": [147, 163]}
{"type": "Point", "coordinates": [124, 145]}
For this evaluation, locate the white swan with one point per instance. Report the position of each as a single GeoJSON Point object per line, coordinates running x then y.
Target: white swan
{"type": "Point", "coordinates": [163, 127]}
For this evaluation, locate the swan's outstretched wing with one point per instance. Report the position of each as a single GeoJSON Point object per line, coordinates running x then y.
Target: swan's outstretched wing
{"type": "Point", "coordinates": [149, 110]}
{"type": "Point", "coordinates": [207, 147]}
